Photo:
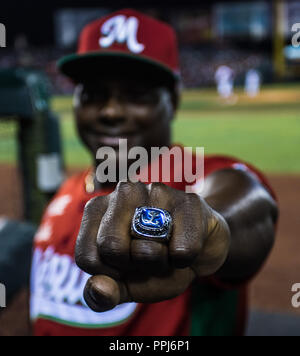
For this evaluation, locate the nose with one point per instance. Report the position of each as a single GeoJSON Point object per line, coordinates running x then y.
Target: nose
{"type": "Point", "coordinates": [112, 113]}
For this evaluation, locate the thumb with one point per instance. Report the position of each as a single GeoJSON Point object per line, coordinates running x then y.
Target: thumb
{"type": "Point", "coordinates": [102, 293]}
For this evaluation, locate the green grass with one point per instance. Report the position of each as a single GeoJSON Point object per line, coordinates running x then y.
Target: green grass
{"type": "Point", "coordinates": [272, 144]}
{"type": "Point", "coordinates": [8, 147]}
{"type": "Point", "coordinates": [264, 131]}
{"type": "Point", "coordinates": [75, 153]}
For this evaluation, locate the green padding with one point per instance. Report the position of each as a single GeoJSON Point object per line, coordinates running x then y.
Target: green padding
{"type": "Point", "coordinates": [23, 92]}
{"type": "Point", "coordinates": [214, 312]}
{"type": "Point", "coordinates": [16, 241]}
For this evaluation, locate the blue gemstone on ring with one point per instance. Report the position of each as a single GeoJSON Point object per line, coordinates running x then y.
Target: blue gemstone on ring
{"type": "Point", "coordinates": [150, 222]}
{"type": "Point", "coordinates": [152, 218]}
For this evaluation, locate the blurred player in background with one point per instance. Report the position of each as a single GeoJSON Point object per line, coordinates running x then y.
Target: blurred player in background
{"type": "Point", "coordinates": [224, 77]}
{"type": "Point", "coordinates": [252, 83]}
{"type": "Point", "coordinates": [127, 77]}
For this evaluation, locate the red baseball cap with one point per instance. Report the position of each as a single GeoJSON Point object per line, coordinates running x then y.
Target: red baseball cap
{"type": "Point", "coordinates": [125, 37]}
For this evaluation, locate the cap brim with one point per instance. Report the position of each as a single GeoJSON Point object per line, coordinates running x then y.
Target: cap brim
{"type": "Point", "coordinates": [79, 67]}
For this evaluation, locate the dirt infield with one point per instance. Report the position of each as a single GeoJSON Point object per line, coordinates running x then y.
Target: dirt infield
{"type": "Point", "coordinates": [11, 202]}
{"type": "Point", "coordinates": [270, 290]}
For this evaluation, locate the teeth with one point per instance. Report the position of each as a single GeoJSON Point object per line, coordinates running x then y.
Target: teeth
{"type": "Point", "coordinates": [110, 140]}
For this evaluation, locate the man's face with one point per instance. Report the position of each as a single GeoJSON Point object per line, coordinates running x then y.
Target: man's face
{"type": "Point", "coordinates": [116, 107]}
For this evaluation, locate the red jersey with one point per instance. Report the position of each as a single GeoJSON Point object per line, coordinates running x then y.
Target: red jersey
{"type": "Point", "coordinates": [57, 304]}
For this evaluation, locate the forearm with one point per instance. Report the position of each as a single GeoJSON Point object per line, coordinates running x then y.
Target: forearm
{"type": "Point", "coordinates": [251, 214]}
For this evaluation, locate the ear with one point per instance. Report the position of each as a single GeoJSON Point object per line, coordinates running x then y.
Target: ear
{"type": "Point", "coordinates": [76, 95]}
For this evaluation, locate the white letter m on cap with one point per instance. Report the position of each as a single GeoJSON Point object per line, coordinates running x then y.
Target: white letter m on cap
{"type": "Point", "coordinates": [121, 29]}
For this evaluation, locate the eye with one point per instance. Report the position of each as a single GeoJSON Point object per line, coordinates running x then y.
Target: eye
{"type": "Point", "coordinates": [141, 96]}
{"type": "Point", "coordinates": [93, 95]}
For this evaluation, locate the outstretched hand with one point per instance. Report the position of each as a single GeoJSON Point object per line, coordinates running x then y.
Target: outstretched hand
{"type": "Point", "coordinates": [125, 268]}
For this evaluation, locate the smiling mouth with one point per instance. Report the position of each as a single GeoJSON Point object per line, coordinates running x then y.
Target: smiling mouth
{"type": "Point", "coordinates": [113, 141]}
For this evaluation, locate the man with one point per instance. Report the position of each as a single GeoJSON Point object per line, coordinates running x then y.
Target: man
{"type": "Point", "coordinates": [162, 261]}
{"type": "Point", "coordinates": [252, 83]}
{"type": "Point", "coordinates": [224, 78]}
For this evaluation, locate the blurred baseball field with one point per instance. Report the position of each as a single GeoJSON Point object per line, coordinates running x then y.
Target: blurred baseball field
{"type": "Point", "coordinates": [263, 130]}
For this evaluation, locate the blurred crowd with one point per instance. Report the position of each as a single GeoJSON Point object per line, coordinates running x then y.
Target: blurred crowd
{"type": "Point", "coordinates": [198, 65]}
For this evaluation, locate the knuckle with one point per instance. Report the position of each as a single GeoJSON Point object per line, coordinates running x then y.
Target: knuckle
{"type": "Point", "coordinates": [193, 201]}
{"type": "Point", "coordinates": [182, 251]}
{"type": "Point", "coordinates": [148, 251]}
{"type": "Point", "coordinates": [109, 246]}
{"type": "Point", "coordinates": [85, 257]}
{"type": "Point", "coordinates": [124, 187]}
{"type": "Point", "coordinates": [159, 192]}
{"type": "Point", "coordinates": [194, 198]}
{"type": "Point", "coordinates": [158, 186]}
{"type": "Point", "coordinates": [182, 255]}
{"type": "Point", "coordinates": [146, 256]}
{"type": "Point", "coordinates": [129, 192]}
{"type": "Point", "coordinates": [87, 263]}
{"type": "Point", "coordinates": [93, 203]}
{"type": "Point", "coordinates": [80, 260]}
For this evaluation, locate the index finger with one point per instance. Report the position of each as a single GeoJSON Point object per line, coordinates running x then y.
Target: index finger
{"type": "Point", "coordinates": [86, 252]}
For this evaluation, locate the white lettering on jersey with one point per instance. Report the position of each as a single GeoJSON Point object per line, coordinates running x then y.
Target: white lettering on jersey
{"type": "Point", "coordinates": [57, 286]}
{"type": "Point", "coordinates": [44, 233]}
{"type": "Point", "coordinates": [121, 29]}
{"type": "Point", "coordinates": [58, 206]}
